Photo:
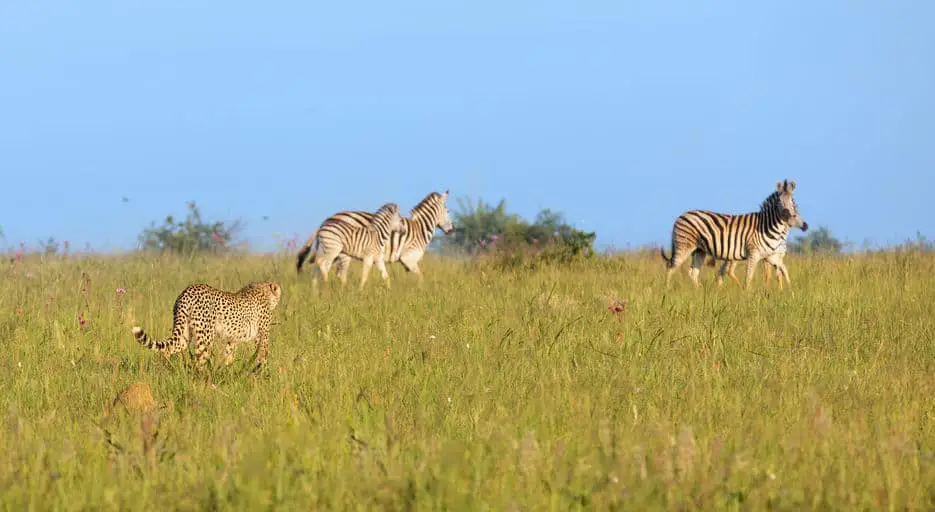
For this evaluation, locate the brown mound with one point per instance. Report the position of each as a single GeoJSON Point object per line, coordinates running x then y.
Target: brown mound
{"type": "Point", "coordinates": [137, 397]}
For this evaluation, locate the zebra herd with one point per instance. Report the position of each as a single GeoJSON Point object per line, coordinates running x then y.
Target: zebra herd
{"type": "Point", "coordinates": [385, 236]}
{"type": "Point", "coordinates": [379, 237]}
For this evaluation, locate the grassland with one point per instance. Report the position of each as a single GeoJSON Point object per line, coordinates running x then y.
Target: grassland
{"type": "Point", "coordinates": [481, 390]}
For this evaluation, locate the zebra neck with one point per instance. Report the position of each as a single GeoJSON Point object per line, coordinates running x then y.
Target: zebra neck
{"type": "Point", "coordinates": [772, 225]}
{"type": "Point", "coordinates": [425, 225]}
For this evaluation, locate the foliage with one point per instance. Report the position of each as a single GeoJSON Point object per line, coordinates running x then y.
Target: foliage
{"type": "Point", "coordinates": [818, 241]}
{"type": "Point", "coordinates": [190, 235]}
{"type": "Point", "coordinates": [49, 247]}
{"type": "Point", "coordinates": [921, 243]}
{"type": "Point", "coordinates": [488, 230]}
{"type": "Point", "coordinates": [481, 390]}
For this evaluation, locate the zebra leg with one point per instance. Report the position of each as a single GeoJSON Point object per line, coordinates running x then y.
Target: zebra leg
{"type": "Point", "coordinates": [768, 272]}
{"type": "Point", "coordinates": [365, 271]}
{"type": "Point", "coordinates": [410, 262]}
{"type": "Point", "coordinates": [698, 258]}
{"type": "Point", "coordinates": [342, 265]}
{"type": "Point", "coordinates": [753, 259]}
{"type": "Point", "coordinates": [781, 272]}
{"type": "Point", "coordinates": [730, 273]}
{"type": "Point", "coordinates": [678, 257]}
{"type": "Point", "coordinates": [324, 262]}
{"type": "Point", "coordinates": [381, 266]}
{"type": "Point", "coordinates": [725, 268]}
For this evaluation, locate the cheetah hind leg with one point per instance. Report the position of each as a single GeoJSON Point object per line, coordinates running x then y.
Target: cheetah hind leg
{"type": "Point", "coordinates": [203, 341]}
{"type": "Point", "coordinates": [229, 352]}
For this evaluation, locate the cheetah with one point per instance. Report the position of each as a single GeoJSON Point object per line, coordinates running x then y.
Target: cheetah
{"type": "Point", "coordinates": [201, 312]}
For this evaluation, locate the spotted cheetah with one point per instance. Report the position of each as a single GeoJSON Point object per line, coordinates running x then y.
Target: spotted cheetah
{"type": "Point", "coordinates": [201, 312]}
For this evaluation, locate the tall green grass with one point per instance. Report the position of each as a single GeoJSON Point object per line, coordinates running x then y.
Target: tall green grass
{"type": "Point", "coordinates": [482, 389]}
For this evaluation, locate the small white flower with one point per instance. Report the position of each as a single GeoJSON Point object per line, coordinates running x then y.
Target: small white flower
{"type": "Point", "coordinates": [432, 337]}
{"type": "Point", "coordinates": [468, 345]}
{"type": "Point", "coordinates": [73, 362]}
{"type": "Point", "coordinates": [449, 399]}
{"type": "Point", "coordinates": [20, 364]}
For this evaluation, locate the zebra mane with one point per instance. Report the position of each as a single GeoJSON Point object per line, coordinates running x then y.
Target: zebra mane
{"type": "Point", "coordinates": [771, 202]}
{"type": "Point", "coordinates": [424, 204]}
{"type": "Point", "coordinates": [386, 210]}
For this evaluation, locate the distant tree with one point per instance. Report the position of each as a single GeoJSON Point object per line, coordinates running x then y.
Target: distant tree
{"type": "Point", "coordinates": [478, 223]}
{"type": "Point", "coordinates": [190, 235]}
{"type": "Point", "coordinates": [818, 241]}
{"type": "Point", "coordinates": [921, 243]}
{"type": "Point", "coordinates": [486, 229]}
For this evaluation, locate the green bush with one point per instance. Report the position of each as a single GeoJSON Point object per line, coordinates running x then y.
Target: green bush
{"type": "Point", "coordinates": [190, 235]}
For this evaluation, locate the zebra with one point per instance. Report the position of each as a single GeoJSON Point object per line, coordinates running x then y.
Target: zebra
{"type": "Point", "coordinates": [343, 240]}
{"type": "Point", "coordinates": [406, 245]}
{"type": "Point", "coordinates": [774, 260]}
{"type": "Point", "coordinates": [750, 236]}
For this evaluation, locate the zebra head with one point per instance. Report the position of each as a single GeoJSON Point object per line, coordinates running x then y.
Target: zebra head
{"type": "Point", "coordinates": [444, 216]}
{"type": "Point", "coordinates": [388, 217]}
{"type": "Point", "coordinates": [788, 211]}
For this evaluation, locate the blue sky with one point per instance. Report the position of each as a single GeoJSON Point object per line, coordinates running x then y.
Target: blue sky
{"type": "Point", "coordinates": [620, 114]}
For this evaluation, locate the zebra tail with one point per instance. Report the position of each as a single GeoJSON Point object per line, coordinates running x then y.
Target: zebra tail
{"type": "Point", "coordinates": [662, 252]}
{"type": "Point", "coordinates": [303, 253]}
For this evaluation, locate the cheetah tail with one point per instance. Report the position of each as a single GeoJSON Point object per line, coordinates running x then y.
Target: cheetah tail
{"type": "Point", "coordinates": [307, 248]}
{"type": "Point", "coordinates": [147, 341]}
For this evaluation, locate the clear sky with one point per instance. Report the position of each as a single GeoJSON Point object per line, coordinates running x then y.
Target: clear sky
{"type": "Point", "coordinates": [621, 114]}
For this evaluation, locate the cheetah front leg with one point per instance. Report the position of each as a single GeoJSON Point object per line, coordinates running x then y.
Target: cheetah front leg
{"type": "Point", "coordinates": [262, 347]}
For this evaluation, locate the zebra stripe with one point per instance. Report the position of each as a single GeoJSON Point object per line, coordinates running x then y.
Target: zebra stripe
{"type": "Point", "coordinates": [750, 236]}
{"type": "Point", "coordinates": [775, 261]}
{"type": "Point", "coordinates": [408, 244]}
{"type": "Point", "coordinates": [348, 241]}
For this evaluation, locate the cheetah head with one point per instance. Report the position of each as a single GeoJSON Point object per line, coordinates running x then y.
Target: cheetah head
{"type": "Point", "coordinates": [273, 292]}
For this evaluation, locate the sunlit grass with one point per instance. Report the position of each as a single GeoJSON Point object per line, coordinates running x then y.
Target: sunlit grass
{"type": "Point", "coordinates": [480, 390]}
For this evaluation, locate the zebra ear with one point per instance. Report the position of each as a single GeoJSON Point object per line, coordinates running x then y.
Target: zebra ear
{"type": "Point", "coordinates": [446, 193]}
{"type": "Point", "coordinates": [791, 186]}
{"type": "Point", "coordinates": [778, 186]}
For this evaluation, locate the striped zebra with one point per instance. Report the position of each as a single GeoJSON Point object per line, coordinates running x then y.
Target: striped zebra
{"type": "Point", "coordinates": [774, 261]}
{"type": "Point", "coordinates": [750, 236]}
{"type": "Point", "coordinates": [337, 240]}
{"type": "Point", "coordinates": [406, 245]}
